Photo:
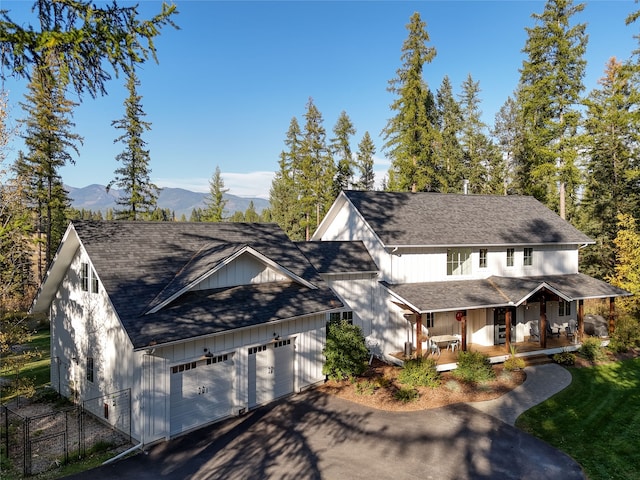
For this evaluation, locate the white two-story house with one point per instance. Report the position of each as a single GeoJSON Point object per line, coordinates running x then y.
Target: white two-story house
{"type": "Point", "coordinates": [488, 269]}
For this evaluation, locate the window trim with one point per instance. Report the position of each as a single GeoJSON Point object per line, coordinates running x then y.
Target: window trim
{"type": "Point", "coordinates": [527, 260]}
{"type": "Point", "coordinates": [90, 367]}
{"type": "Point", "coordinates": [458, 262]}
{"type": "Point", "coordinates": [564, 308]}
{"type": "Point", "coordinates": [84, 276]}
{"type": "Point", "coordinates": [511, 253]}
{"type": "Point", "coordinates": [483, 258]}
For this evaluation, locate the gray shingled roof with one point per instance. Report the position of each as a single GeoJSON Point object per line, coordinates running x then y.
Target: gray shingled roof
{"type": "Point", "coordinates": [498, 291]}
{"type": "Point", "coordinates": [338, 256]}
{"type": "Point", "coordinates": [436, 219]}
{"type": "Point", "coordinates": [140, 264]}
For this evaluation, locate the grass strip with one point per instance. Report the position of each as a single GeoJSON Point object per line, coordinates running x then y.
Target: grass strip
{"type": "Point", "coordinates": [596, 420]}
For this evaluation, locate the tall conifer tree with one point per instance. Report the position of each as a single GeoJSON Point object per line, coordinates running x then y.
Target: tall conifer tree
{"type": "Point", "coordinates": [551, 83]}
{"type": "Point", "coordinates": [140, 195]}
{"type": "Point", "coordinates": [341, 149]}
{"type": "Point", "coordinates": [317, 171]}
{"type": "Point", "coordinates": [50, 145]}
{"type": "Point", "coordinates": [215, 201]}
{"type": "Point", "coordinates": [410, 135]}
{"type": "Point", "coordinates": [364, 156]}
{"type": "Point", "coordinates": [449, 125]}
{"type": "Point", "coordinates": [612, 129]}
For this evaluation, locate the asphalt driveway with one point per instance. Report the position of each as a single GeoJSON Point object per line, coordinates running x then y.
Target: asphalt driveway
{"type": "Point", "coordinates": [315, 436]}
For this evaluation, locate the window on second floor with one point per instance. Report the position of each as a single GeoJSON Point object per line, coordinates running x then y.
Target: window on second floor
{"type": "Point", "coordinates": [459, 261]}
{"type": "Point", "coordinates": [88, 278]}
{"type": "Point", "coordinates": [510, 254]}
{"type": "Point", "coordinates": [90, 369]}
{"type": "Point", "coordinates": [528, 257]}
{"type": "Point", "coordinates": [483, 258]}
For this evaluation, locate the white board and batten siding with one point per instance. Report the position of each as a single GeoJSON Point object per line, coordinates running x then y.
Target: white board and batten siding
{"type": "Point", "coordinates": [244, 270]}
{"type": "Point", "coordinates": [357, 293]}
{"type": "Point", "coordinates": [248, 368]}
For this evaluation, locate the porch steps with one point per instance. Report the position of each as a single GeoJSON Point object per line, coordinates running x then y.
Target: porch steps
{"type": "Point", "coordinates": [541, 359]}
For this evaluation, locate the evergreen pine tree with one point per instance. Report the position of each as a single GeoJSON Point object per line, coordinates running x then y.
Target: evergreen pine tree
{"type": "Point", "coordinates": [449, 151]}
{"type": "Point", "coordinates": [250, 214]}
{"type": "Point", "coordinates": [215, 202]}
{"type": "Point", "coordinates": [366, 151]}
{"type": "Point", "coordinates": [507, 132]}
{"type": "Point", "coordinates": [140, 196]}
{"type": "Point", "coordinates": [50, 144]}
{"type": "Point", "coordinates": [316, 171]}
{"type": "Point", "coordinates": [612, 133]}
{"type": "Point", "coordinates": [410, 135]}
{"type": "Point", "coordinates": [341, 149]}
{"type": "Point", "coordinates": [549, 96]}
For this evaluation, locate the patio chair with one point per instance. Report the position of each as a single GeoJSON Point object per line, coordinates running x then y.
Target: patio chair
{"type": "Point", "coordinates": [570, 330]}
{"type": "Point", "coordinates": [550, 331]}
{"type": "Point", "coordinates": [432, 348]}
{"type": "Point", "coordinates": [534, 332]}
{"type": "Point", "coordinates": [453, 345]}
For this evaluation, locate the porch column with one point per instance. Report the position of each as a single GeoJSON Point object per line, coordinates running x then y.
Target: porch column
{"type": "Point", "coordinates": [418, 335]}
{"type": "Point", "coordinates": [612, 315]}
{"type": "Point", "coordinates": [463, 332]}
{"type": "Point", "coordinates": [543, 322]}
{"type": "Point", "coordinates": [507, 319]}
{"type": "Point", "coordinates": [580, 320]}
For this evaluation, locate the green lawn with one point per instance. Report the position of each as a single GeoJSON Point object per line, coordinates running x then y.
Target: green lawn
{"type": "Point", "coordinates": [38, 368]}
{"type": "Point", "coordinates": [596, 420]}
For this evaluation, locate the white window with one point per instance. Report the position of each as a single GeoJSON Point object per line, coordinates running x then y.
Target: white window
{"type": "Point", "coordinates": [337, 316]}
{"type": "Point", "coordinates": [564, 308]}
{"type": "Point", "coordinates": [459, 261]}
{"type": "Point", "coordinates": [483, 258]}
{"type": "Point", "coordinates": [528, 257]}
{"type": "Point", "coordinates": [90, 369]}
{"type": "Point", "coordinates": [88, 278]}
{"type": "Point", "coordinates": [510, 255]}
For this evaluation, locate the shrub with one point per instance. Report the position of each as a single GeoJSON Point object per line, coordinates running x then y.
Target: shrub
{"type": "Point", "coordinates": [474, 367]}
{"type": "Point", "coordinates": [565, 358]}
{"type": "Point", "coordinates": [514, 363]}
{"type": "Point", "coordinates": [591, 349]}
{"type": "Point", "coordinates": [366, 387]}
{"type": "Point", "coordinates": [420, 372]}
{"type": "Point", "coordinates": [346, 352]}
{"type": "Point", "coordinates": [626, 334]}
{"type": "Point", "coordinates": [406, 395]}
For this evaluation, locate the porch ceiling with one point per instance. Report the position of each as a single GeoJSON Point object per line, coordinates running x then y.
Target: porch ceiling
{"type": "Point", "coordinates": [497, 291]}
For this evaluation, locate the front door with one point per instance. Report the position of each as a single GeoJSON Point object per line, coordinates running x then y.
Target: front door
{"type": "Point", "coordinates": [500, 325]}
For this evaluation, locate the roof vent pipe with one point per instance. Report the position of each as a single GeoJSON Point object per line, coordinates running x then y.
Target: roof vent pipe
{"type": "Point", "coordinates": [465, 186]}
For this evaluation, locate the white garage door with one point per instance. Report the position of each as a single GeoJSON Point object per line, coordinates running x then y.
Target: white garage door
{"type": "Point", "coordinates": [201, 392]}
{"type": "Point", "coordinates": [270, 371]}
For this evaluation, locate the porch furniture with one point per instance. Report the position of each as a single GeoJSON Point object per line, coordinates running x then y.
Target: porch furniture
{"type": "Point", "coordinates": [571, 330]}
{"type": "Point", "coordinates": [432, 348]}
{"type": "Point", "coordinates": [445, 340]}
{"type": "Point", "coordinates": [534, 333]}
{"type": "Point", "coordinates": [453, 345]}
{"type": "Point", "coordinates": [550, 331]}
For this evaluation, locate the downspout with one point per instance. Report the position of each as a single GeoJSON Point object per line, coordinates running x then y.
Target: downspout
{"type": "Point", "coordinates": [122, 454]}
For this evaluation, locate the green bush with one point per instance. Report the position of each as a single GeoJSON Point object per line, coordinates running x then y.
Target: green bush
{"type": "Point", "coordinates": [406, 395]}
{"type": "Point", "coordinates": [626, 334]}
{"type": "Point", "coordinates": [366, 387]}
{"type": "Point", "coordinates": [420, 372]}
{"type": "Point", "coordinates": [474, 367]}
{"type": "Point", "coordinates": [514, 363]}
{"type": "Point", "coordinates": [565, 358]}
{"type": "Point", "coordinates": [591, 349]}
{"type": "Point", "coordinates": [346, 352]}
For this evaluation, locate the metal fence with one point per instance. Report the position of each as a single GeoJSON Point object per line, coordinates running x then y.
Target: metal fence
{"type": "Point", "coordinates": [37, 443]}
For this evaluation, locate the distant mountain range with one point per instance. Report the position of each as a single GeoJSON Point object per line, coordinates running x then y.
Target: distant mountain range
{"type": "Point", "coordinates": [178, 200]}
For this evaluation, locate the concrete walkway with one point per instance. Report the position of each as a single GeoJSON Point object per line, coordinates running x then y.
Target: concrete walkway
{"type": "Point", "coordinates": [542, 382]}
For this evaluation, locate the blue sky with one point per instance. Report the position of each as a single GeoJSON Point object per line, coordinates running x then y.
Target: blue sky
{"type": "Point", "coordinates": [230, 80]}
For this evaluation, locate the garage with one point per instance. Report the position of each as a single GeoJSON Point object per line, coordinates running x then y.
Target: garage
{"type": "Point", "coordinates": [270, 371]}
{"type": "Point", "coordinates": [201, 392]}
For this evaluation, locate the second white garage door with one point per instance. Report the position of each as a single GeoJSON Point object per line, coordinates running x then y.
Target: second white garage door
{"type": "Point", "coordinates": [270, 371]}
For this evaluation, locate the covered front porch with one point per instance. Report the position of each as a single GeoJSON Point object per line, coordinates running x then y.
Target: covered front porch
{"type": "Point", "coordinates": [447, 359]}
{"type": "Point", "coordinates": [537, 315]}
